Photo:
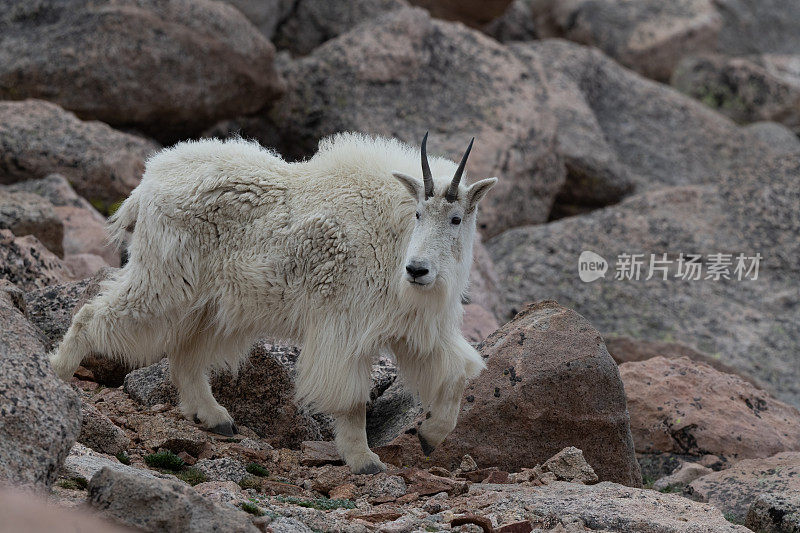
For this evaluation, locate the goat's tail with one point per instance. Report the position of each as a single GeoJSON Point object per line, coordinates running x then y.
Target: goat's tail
{"type": "Point", "coordinates": [123, 218]}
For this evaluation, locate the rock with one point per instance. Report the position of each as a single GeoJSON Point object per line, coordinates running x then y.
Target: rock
{"type": "Point", "coordinates": [99, 433]}
{"type": "Point", "coordinates": [264, 14]}
{"type": "Point", "coordinates": [312, 22]}
{"type": "Point", "coordinates": [774, 513]}
{"type": "Point", "coordinates": [222, 469]}
{"type": "Point", "coordinates": [474, 13]}
{"type": "Point", "coordinates": [755, 26]}
{"type": "Point", "coordinates": [777, 137]}
{"type": "Point", "coordinates": [224, 492]}
{"type": "Point", "coordinates": [478, 323]}
{"type": "Point", "coordinates": [85, 266]}
{"type": "Point", "coordinates": [316, 453]}
{"type": "Point", "coordinates": [385, 487]}
{"type": "Point", "coordinates": [562, 506]}
{"type": "Point", "coordinates": [162, 432]}
{"type": "Point", "coordinates": [343, 492]}
{"type": "Point", "coordinates": [570, 465]}
{"type": "Point", "coordinates": [28, 214]}
{"type": "Point", "coordinates": [152, 504]}
{"type": "Point", "coordinates": [746, 89]}
{"type": "Point", "coordinates": [433, 74]}
{"type": "Point", "coordinates": [618, 131]}
{"type": "Point", "coordinates": [484, 287]}
{"type": "Point", "coordinates": [168, 68]}
{"type": "Point", "coordinates": [735, 489]}
{"type": "Point", "coordinates": [549, 381]}
{"type": "Point", "coordinates": [85, 462]}
{"type": "Point", "coordinates": [40, 413]}
{"type": "Point", "coordinates": [288, 525]}
{"type": "Point", "coordinates": [627, 350]}
{"type": "Point", "coordinates": [745, 323]}
{"type": "Point", "coordinates": [682, 476]}
{"type": "Point", "coordinates": [22, 511]}
{"type": "Point", "coordinates": [424, 483]}
{"type": "Point", "coordinates": [84, 227]}
{"type": "Point", "coordinates": [648, 36]}
{"type": "Point", "coordinates": [25, 262]}
{"type": "Point", "coordinates": [40, 138]}
{"type": "Point", "coordinates": [516, 24]}
{"type": "Point", "coordinates": [681, 406]}
{"type": "Point", "coordinates": [260, 396]}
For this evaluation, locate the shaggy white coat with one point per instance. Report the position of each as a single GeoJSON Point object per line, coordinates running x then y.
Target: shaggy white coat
{"type": "Point", "coordinates": [232, 243]}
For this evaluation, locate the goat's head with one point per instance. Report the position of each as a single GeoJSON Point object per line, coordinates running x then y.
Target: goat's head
{"type": "Point", "coordinates": [441, 243]}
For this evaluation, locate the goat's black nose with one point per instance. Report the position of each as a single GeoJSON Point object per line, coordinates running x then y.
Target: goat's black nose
{"type": "Point", "coordinates": [415, 270]}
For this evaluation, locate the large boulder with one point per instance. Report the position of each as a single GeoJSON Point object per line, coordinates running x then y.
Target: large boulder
{"type": "Point", "coordinates": [84, 227]}
{"type": "Point", "coordinates": [24, 213]}
{"type": "Point", "coordinates": [260, 395]}
{"type": "Point", "coordinates": [39, 138]}
{"type": "Point", "coordinates": [165, 66]}
{"type": "Point", "coordinates": [734, 490]}
{"type": "Point", "coordinates": [648, 36]}
{"type": "Point", "coordinates": [685, 407]}
{"type": "Point", "coordinates": [312, 22]}
{"type": "Point", "coordinates": [748, 324]}
{"type": "Point", "coordinates": [151, 504]}
{"type": "Point", "coordinates": [26, 262]}
{"type": "Point", "coordinates": [406, 73]}
{"type": "Point", "coordinates": [747, 89]}
{"type": "Point", "coordinates": [41, 415]}
{"type": "Point", "coordinates": [549, 384]}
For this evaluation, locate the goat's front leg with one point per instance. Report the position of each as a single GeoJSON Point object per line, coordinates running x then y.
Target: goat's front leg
{"type": "Point", "coordinates": [351, 441]}
{"type": "Point", "coordinates": [440, 378]}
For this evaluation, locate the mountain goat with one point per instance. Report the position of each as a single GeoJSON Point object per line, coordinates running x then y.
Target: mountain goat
{"type": "Point", "coordinates": [346, 253]}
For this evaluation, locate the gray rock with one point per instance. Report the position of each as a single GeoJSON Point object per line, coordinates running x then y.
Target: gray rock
{"type": "Point", "coordinates": [288, 525]}
{"type": "Point", "coordinates": [774, 513]}
{"type": "Point", "coordinates": [39, 413]}
{"type": "Point", "coordinates": [28, 214]}
{"type": "Point", "coordinates": [682, 476]}
{"type": "Point", "coordinates": [391, 413]}
{"type": "Point", "coordinates": [166, 66]}
{"type": "Point", "coordinates": [151, 385]}
{"type": "Point", "coordinates": [40, 138]}
{"type": "Point", "coordinates": [435, 75]}
{"type": "Point", "coordinates": [312, 22]}
{"type": "Point", "coordinates": [570, 465]}
{"type": "Point", "coordinates": [264, 14]}
{"type": "Point", "coordinates": [516, 24]}
{"type": "Point", "coordinates": [99, 433]}
{"type": "Point", "coordinates": [85, 462]}
{"type": "Point", "coordinates": [155, 505]}
{"type": "Point", "coordinates": [746, 89]}
{"type": "Point", "coordinates": [222, 469]}
{"type": "Point", "coordinates": [26, 262]}
{"type": "Point", "coordinates": [777, 137]}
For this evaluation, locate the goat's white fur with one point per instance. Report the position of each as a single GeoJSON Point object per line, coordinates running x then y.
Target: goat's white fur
{"type": "Point", "coordinates": [232, 243]}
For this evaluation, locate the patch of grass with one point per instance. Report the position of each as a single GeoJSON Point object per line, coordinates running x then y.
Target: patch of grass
{"type": "Point", "coordinates": [123, 458]}
{"type": "Point", "coordinates": [730, 517]}
{"type": "Point", "coordinates": [166, 460]}
{"type": "Point", "coordinates": [73, 483]}
{"type": "Point", "coordinates": [192, 476]}
{"type": "Point", "coordinates": [670, 489]}
{"type": "Point", "coordinates": [430, 528]}
{"type": "Point", "coordinates": [252, 509]}
{"type": "Point", "coordinates": [250, 482]}
{"type": "Point", "coordinates": [257, 470]}
{"type": "Point", "coordinates": [322, 504]}
{"type": "Point", "coordinates": [647, 482]}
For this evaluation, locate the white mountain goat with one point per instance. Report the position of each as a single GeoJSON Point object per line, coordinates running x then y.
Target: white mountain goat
{"type": "Point", "coordinates": [232, 243]}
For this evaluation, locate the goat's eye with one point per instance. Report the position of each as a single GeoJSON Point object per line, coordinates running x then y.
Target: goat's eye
{"type": "Point", "coordinates": [417, 215]}
{"type": "Point", "coordinates": [455, 221]}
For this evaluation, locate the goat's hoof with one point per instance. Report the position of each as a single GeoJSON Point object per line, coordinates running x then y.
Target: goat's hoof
{"type": "Point", "coordinates": [371, 468]}
{"type": "Point", "coordinates": [427, 449]}
{"type": "Point", "coordinates": [227, 429]}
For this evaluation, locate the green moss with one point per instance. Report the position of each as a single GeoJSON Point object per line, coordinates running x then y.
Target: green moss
{"type": "Point", "coordinates": [647, 482]}
{"type": "Point", "coordinates": [73, 483]}
{"type": "Point", "coordinates": [166, 460]}
{"type": "Point", "coordinates": [250, 482]}
{"type": "Point", "coordinates": [257, 470]}
{"type": "Point", "coordinates": [252, 509]}
{"type": "Point", "coordinates": [322, 504]}
{"type": "Point", "coordinates": [192, 476]}
{"type": "Point", "coordinates": [123, 458]}
{"type": "Point", "coordinates": [669, 489]}
{"type": "Point", "coordinates": [730, 517]}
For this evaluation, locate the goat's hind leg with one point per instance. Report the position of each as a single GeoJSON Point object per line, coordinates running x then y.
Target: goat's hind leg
{"type": "Point", "coordinates": [188, 368]}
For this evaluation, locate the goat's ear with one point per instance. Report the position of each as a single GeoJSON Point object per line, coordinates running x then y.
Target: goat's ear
{"type": "Point", "coordinates": [477, 191]}
{"type": "Point", "coordinates": [412, 184]}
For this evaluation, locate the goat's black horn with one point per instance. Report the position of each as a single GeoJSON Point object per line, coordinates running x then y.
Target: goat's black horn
{"type": "Point", "coordinates": [427, 177]}
{"type": "Point", "coordinates": [452, 190]}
